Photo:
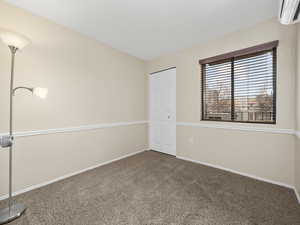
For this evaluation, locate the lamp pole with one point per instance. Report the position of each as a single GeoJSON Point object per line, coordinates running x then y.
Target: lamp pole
{"type": "Point", "coordinates": [15, 42]}
{"type": "Point", "coordinates": [13, 54]}
{"type": "Point", "coordinates": [13, 211]}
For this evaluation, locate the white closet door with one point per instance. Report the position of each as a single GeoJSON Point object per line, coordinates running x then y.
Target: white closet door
{"type": "Point", "coordinates": [163, 111]}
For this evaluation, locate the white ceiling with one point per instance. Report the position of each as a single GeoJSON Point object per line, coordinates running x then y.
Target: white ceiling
{"type": "Point", "coordinates": [150, 28]}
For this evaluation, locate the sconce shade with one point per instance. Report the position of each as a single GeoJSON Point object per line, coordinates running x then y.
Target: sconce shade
{"type": "Point", "coordinates": [40, 92]}
{"type": "Point", "coordinates": [13, 39]}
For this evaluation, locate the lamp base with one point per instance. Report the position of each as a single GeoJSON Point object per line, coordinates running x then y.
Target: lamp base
{"type": "Point", "coordinates": [16, 211]}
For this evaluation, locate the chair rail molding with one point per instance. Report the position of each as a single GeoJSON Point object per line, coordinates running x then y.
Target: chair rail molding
{"type": "Point", "coordinates": [241, 128]}
{"type": "Point", "coordinates": [120, 124]}
{"type": "Point", "coordinates": [74, 129]}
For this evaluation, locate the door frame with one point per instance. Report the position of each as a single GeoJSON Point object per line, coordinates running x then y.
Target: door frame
{"type": "Point", "coordinates": [149, 96]}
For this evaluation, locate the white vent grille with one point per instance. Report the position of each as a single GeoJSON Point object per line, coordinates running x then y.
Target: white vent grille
{"type": "Point", "coordinates": [289, 11]}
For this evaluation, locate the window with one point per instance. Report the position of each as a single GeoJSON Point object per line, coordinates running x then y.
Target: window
{"type": "Point", "coordinates": [240, 86]}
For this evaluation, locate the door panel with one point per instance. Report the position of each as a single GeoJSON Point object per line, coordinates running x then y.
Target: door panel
{"type": "Point", "coordinates": [162, 106]}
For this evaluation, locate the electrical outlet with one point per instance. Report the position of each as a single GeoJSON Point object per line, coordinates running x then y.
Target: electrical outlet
{"type": "Point", "coordinates": [6, 141]}
{"type": "Point", "coordinates": [192, 140]}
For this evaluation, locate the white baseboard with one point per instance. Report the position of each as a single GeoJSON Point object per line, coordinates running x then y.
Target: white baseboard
{"type": "Point", "coordinates": [244, 174]}
{"type": "Point", "coordinates": [67, 176]}
{"type": "Point", "coordinates": [134, 153]}
{"type": "Point", "coordinates": [237, 172]}
{"type": "Point", "coordinates": [297, 194]}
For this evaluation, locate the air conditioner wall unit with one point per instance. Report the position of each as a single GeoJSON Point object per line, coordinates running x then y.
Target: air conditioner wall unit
{"type": "Point", "coordinates": [289, 11]}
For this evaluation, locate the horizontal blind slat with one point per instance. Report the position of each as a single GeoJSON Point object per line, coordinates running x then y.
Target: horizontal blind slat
{"type": "Point", "coordinates": [253, 79]}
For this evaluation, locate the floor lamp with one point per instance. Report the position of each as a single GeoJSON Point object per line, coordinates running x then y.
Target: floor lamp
{"type": "Point", "coordinates": [15, 42]}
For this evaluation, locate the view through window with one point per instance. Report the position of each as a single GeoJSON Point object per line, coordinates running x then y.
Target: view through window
{"type": "Point", "coordinates": [240, 89]}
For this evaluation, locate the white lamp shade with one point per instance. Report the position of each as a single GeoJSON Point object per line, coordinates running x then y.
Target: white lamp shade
{"type": "Point", "coordinates": [13, 39]}
{"type": "Point", "coordinates": [40, 92]}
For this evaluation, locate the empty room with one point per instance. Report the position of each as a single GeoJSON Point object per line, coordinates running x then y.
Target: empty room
{"type": "Point", "coordinates": [162, 112]}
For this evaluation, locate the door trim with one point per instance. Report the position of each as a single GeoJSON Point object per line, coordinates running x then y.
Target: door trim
{"type": "Point", "coordinates": [170, 68]}
{"type": "Point", "coordinates": [149, 95]}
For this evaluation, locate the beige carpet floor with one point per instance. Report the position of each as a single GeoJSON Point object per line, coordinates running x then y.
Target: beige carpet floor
{"type": "Point", "coordinates": [156, 189]}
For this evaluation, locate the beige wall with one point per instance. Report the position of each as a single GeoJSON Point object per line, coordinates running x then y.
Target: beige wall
{"type": "Point", "coordinates": [91, 83]}
{"type": "Point", "coordinates": [266, 155]}
{"type": "Point", "coordinates": [297, 149]}
{"type": "Point", "coordinates": [43, 158]}
{"type": "Point", "coordinates": [88, 82]}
